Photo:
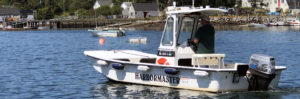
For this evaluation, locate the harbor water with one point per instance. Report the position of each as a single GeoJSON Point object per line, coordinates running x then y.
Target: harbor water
{"type": "Point", "coordinates": [51, 63]}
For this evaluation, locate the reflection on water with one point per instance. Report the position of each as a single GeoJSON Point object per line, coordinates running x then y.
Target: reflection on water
{"type": "Point", "coordinates": [112, 89]}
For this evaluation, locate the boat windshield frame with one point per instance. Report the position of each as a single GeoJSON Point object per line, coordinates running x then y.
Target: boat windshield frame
{"type": "Point", "coordinates": [167, 37]}
{"type": "Point", "coordinates": [181, 23]}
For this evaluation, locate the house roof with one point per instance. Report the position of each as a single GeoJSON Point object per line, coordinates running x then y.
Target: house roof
{"type": "Point", "coordinates": [105, 2]}
{"type": "Point", "coordinates": [293, 4]}
{"type": "Point", "coordinates": [145, 7]}
{"type": "Point", "coordinates": [125, 5]}
{"type": "Point", "coordinates": [9, 11]}
{"type": "Point", "coordinates": [25, 13]}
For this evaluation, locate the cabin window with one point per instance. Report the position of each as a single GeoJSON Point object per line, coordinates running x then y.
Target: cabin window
{"type": "Point", "coordinates": [282, 1]}
{"type": "Point", "coordinates": [168, 33]}
{"type": "Point", "coordinates": [186, 29]}
{"type": "Point", "coordinates": [275, 1]}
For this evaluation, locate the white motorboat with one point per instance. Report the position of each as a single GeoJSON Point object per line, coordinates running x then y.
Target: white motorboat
{"type": "Point", "coordinates": [255, 25]}
{"type": "Point", "coordinates": [108, 32]}
{"type": "Point", "coordinates": [295, 22]}
{"type": "Point", "coordinates": [279, 23]}
{"type": "Point", "coordinates": [177, 65]}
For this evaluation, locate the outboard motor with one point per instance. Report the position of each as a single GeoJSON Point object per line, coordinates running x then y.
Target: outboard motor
{"type": "Point", "coordinates": [262, 71]}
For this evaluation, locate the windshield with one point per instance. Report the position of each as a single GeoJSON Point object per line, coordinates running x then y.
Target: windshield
{"type": "Point", "coordinates": [186, 29]}
{"type": "Point", "coordinates": [168, 33]}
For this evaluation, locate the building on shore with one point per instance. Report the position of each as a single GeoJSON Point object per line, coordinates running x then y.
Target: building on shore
{"type": "Point", "coordinates": [10, 14]}
{"type": "Point", "coordinates": [294, 6]}
{"type": "Point", "coordinates": [143, 10]}
{"type": "Point", "coordinates": [274, 6]}
{"type": "Point", "coordinates": [27, 15]}
{"type": "Point", "coordinates": [125, 11]}
{"type": "Point", "coordinates": [100, 3]}
{"type": "Point", "coordinates": [277, 6]}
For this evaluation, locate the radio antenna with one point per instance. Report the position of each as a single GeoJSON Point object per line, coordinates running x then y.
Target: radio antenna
{"type": "Point", "coordinates": [193, 5]}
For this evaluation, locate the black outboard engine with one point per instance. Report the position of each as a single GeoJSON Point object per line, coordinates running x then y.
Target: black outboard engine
{"type": "Point", "coordinates": [262, 71]}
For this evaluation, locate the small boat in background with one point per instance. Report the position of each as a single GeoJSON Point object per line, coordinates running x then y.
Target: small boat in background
{"type": "Point", "coordinates": [136, 40]}
{"type": "Point", "coordinates": [295, 22]}
{"type": "Point", "coordinates": [8, 27]}
{"type": "Point", "coordinates": [279, 23]}
{"type": "Point", "coordinates": [255, 25]}
{"type": "Point", "coordinates": [29, 27]}
{"type": "Point", "coordinates": [107, 32]}
{"type": "Point", "coordinates": [43, 27]}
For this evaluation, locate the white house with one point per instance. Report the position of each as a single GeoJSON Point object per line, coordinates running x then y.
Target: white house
{"type": "Point", "coordinates": [126, 6]}
{"type": "Point", "coordinates": [275, 5]}
{"type": "Point", "coordinates": [143, 10]}
{"type": "Point", "coordinates": [100, 3]}
{"type": "Point", "coordinates": [27, 15]}
{"type": "Point", "coordinates": [246, 3]}
{"type": "Point", "coordinates": [10, 14]}
{"type": "Point", "coordinates": [294, 6]}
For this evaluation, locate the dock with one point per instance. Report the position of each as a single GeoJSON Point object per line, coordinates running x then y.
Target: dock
{"type": "Point", "coordinates": [70, 23]}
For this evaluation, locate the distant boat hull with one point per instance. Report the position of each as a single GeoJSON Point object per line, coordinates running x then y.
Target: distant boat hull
{"type": "Point", "coordinates": [275, 24]}
{"type": "Point", "coordinates": [256, 25]}
{"type": "Point", "coordinates": [107, 33]}
{"type": "Point", "coordinates": [30, 27]}
{"type": "Point", "coordinates": [43, 27]}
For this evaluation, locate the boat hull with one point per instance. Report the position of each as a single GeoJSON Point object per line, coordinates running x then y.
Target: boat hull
{"type": "Point", "coordinates": [158, 78]}
{"type": "Point", "coordinates": [209, 79]}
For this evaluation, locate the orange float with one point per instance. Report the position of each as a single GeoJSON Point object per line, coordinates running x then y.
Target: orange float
{"type": "Point", "coordinates": [101, 41]}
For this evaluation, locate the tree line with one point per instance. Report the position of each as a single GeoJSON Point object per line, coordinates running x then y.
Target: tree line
{"type": "Point", "coordinates": [48, 9]}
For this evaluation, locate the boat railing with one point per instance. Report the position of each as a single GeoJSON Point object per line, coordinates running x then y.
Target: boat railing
{"type": "Point", "coordinates": [199, 60]}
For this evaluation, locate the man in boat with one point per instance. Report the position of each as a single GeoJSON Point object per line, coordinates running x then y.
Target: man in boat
{"type": "Point", "coordinates": [205, 37]}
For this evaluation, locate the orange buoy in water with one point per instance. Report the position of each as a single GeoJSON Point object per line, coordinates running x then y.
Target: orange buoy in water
{"type": "Point", "coordinates": [101, 41]}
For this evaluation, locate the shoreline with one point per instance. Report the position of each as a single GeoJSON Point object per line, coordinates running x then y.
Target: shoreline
{"type": "Point", "coordinates": [88, 23]}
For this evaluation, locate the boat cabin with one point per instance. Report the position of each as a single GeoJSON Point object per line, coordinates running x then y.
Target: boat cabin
{"type": "Point", "coordinates": [176, 47]}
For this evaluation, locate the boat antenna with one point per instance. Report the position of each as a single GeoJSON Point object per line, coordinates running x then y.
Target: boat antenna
{"type": "Point", "coordinates": [174, 4]}
{"type": "Point", "coordinates": [193, 5]}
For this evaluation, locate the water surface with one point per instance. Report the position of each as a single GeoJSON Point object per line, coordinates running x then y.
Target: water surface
{"type": "Point", "coordinates": [51, 64]}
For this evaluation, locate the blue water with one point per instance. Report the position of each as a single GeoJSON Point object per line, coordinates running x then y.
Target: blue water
{"type": "Point", "coordinates": [51, 64]}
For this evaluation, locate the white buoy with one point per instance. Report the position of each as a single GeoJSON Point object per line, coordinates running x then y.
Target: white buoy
{"type": "Point", "coordinates": [138, 40]}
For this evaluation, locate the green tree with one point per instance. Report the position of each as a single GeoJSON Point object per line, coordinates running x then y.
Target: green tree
{"type": "Point", "coordinates": [82, 12]}
{"type": "Point", "coordinates": [45, 13]}
{"type": "Point", "coordinates": [116, 10]}
{"type": "Point", "coordinates": [118, 2]}
{"type": "Point", "coordinates": [104, 10]}
{"type": "Point", "coordinates": [81, 4]}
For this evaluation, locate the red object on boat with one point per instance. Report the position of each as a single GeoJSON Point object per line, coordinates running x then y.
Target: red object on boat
{"type": "Point", "coordinates": [161, 61]}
